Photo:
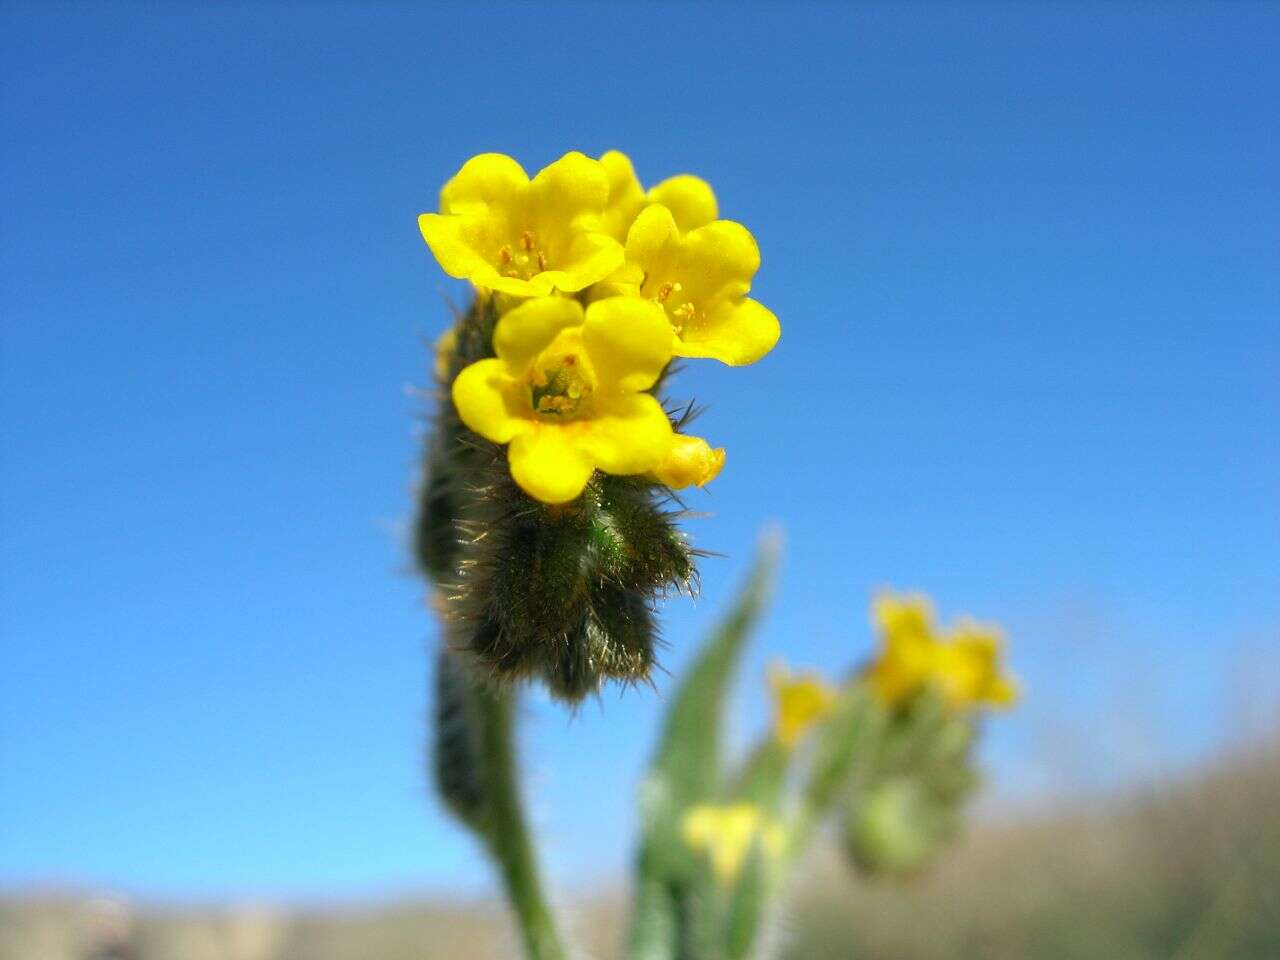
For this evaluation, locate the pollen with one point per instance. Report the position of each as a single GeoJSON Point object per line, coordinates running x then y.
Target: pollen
{"type": "Point", "coordinates": [667, 289]}
{"type": "Point", "coordinates": [524, 261]}
{"type": "Point", "coordinates": [681, 316]}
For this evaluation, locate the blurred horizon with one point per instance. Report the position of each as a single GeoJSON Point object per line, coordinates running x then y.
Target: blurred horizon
{"type": "Point", "coordinates": [1025, 263]}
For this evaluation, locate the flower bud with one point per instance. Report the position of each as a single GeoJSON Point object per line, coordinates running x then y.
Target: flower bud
{"type": "Point", "coordinates": [690, 462]}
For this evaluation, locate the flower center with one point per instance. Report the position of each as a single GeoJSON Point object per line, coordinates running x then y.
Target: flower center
{"type": "Point", "coordinates": [523, 260]}
{"type": "Point", "coordinates": [561, 382]}
{"type": "Point", "coordinates": [671, 295]}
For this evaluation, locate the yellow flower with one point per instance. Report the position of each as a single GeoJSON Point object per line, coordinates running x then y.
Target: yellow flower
{"type": "Point", "coordinates": [689, 198]}
{"type": "Point", "coordinates": [963, 665]}
{"type": "Point", "coordinates": [690, 461]}
{"type": "Point", "coordinates": [504, 232]}
{"type": "Point", "coordinates": [726, 834]}
{"type": "Point", "coordinates": [701, 278]}
{"type": "Point", "coordinates": [800, 701]}
{"type": "Point", "coordinates": [905, 624]}
{"type": "Point", "coordinates": [566, 392]}
{"type": "Point", "coordinates": [967, 668]}
{"type": "Point", "coordinates": [444, 353]}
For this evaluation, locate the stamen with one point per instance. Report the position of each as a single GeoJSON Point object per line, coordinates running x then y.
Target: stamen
{"type": "Point", "coordinates": [682, 315]}
{"type": "Point", "coordinates": [558, 391]}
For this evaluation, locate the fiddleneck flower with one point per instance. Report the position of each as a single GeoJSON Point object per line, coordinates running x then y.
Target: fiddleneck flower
{"type": "Point", "coordinates": [800, 701]}
{"type": "Point", "coordinates": [962, 664]}
{"type": "Point", "coordinates": [690, 199]}
{"type": "Point", "coordinates": [727, 833]}
{"type": "Point", "coordinates": [967, 668]}
{"type": "Point", "coordinates": [566, 391]}
{"type": "Point", "coordinates": [505, 232]}
{"type": "Point", "coordinates": [701, 278]}
{"type": "Point", "coordinates": [905, 625]}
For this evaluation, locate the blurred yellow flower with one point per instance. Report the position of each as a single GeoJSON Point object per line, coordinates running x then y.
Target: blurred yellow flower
{"type": "Point", "coordinates": [800, 701]}
{"type": "Point", "coordinates": [566, 392]}
{"type": "Point", "coordinates": [968, 667]}
{"type": "Point", "coordinates": [444, 353]}
{"type": "Point", "coordinates": [503, 231]}
{"type": "Point", "coordinates": [905, 624]}
{"type": "Point", "coordinates": [690, 199]}
{"type": "Point", "coordinates": [963, 665]}
{"type": "Point", "coordinates": [690, 461]}
{"type": "Point", "coordinates": [727, 833]}
{"type": "Point", "coordinates": [701, 279]}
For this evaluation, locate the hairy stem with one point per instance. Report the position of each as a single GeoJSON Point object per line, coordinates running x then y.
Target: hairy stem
{"type": "Point", "coordinates": [504, 829]}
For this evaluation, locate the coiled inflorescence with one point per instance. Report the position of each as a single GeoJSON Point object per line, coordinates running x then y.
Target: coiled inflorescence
{"type": "Point", "coordinates": [547, 519]}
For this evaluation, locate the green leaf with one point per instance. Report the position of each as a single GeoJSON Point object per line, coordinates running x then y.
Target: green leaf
{"type": "Point", "coordinates": [687, 770]}
{"type": "Point", "coordinates": [847, 747]}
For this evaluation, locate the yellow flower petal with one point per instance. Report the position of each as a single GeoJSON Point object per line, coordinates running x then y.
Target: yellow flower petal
{"type": "Point", "coordinates": [456, 241]}
{"type": "Point", "coordinates": [487, 400]}
{"type": "Point", "coordinates": [690, 199]}
{"type": "Point", "coordinates": [652, 240]}
{"type": "Point", "coordinates": [588, 258]}
{"type": "Point", "coordinates": [528, 329]}
{"type": "Point", "coordinates": [722, 257]}
{"type": "Point", "coordinates": [488, 178]}
{"type": "Point", "coordinates": [539, 285]}
{"type": "Point", "coordinates": [630, 433]}
{"type": "Point", "coordinates": [736, 333]}
{"type": "Point", "coordinates": [626, 196]}
{"type": "Point", "coordinates": [629, 341]}
{"type": "Point", "coordinates": [690, 461]}
{"type": "Point", "coordinates": [569, 193]}
{"type": "Point", "coordinates": [547, 464]}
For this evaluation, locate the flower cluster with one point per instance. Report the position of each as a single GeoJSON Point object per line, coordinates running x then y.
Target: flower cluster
{"type": "Point", "coordinates": [597, 285]}
{"type": "Point", "coordinates": [962, 664]}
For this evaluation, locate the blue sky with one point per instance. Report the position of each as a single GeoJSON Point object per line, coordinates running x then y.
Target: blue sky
{"type": "Point", "coordinates": [1025, 259]}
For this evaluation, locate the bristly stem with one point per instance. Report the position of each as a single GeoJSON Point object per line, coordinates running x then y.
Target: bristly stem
{"type": "Point", "coordinates": [505, 831]}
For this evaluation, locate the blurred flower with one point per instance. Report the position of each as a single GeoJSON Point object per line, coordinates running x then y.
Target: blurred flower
{"type": "Point", "coordinates": [690, 199]}
{"type": "Point", "coordinates": [963, 665]}
{"type": "Point", "coordinates": [727, 833]}
{"type": "Point", "coordinates": [701, 279]}
{"type": "Point", "coordinates": [800, 701]}
{"type": "Point", "coordinates": [967, 667]}
{"type": "Point", "coordinates": [690, 462]}
{"type": "Point", "coordinates": [504, 232]}
{"type": "Point", "coordinates": [566, 392]}
{"type": "Point", "coordinates": [444, 353]}
{"type": "Point", "coordinates": [905, 624]}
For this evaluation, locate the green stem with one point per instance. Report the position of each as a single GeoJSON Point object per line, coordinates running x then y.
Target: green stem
{"type": "Point", "coordinates": [504, 829]}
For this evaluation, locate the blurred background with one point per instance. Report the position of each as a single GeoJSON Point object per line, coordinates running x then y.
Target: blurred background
{"type": "Point", "coordinates": [1025, 259]}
